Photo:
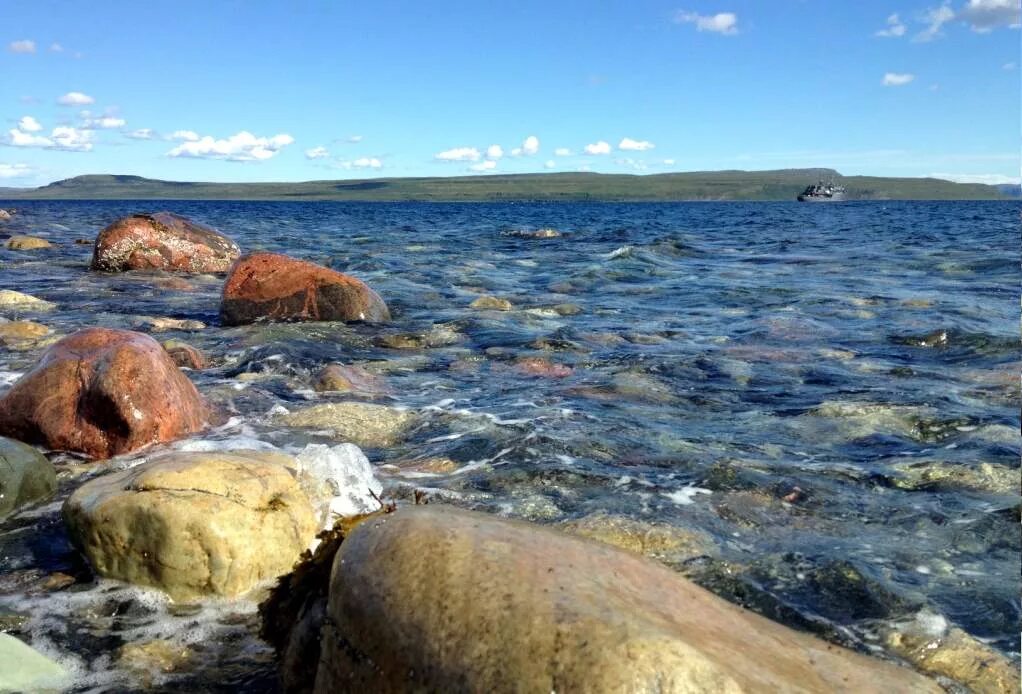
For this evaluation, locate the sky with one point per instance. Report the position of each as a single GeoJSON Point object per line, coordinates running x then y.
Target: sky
{"type": "Point", "coordinates": [324, 89]}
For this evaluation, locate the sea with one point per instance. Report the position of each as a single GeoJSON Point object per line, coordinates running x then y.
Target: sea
{"type": "Point", "coordinates": [824, 399]}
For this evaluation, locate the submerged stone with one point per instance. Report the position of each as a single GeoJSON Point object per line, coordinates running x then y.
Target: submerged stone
{"type": "Point", "coordinates": [360, 423]}
{"type": "Point", "coordinates": [491, 303]}
{"type": "Point", "coordinates": [27, 243]}
{"type": "Point", "coordinates": [12, 300]}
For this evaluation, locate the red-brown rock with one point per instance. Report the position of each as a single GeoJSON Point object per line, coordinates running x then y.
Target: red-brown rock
{"type": "Point", "coordinates": [185, 356]}
{"type": "Point", "coordinates": [269, 286]}
{"type": "Point", "coordinates": [162, 241]}
{"type": "Point", "coordinates": [102, 392]}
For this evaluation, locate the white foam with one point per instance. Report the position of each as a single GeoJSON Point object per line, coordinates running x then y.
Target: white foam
{"type": "Point", "coordinates": [686, 495]}
{"type": "Point", "coordinates": [622, 252]}
{"type": "Point", "coordinates": [346, 472]}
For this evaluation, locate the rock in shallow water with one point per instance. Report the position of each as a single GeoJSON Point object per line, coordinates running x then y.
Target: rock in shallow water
{"type": "Point", "coordinates": [365, 425]}
{"type": "Point", "coordinates": [25, 476]}
{"type": "Point", "coordinates": [16, 301]}
{"type": "Point", "coordinates": [102, 392]}
{"type": "Point", "coordinates": [23, 669]}
{"type": "Point", "coordinates": [270, 286]}
{"type": "Point", "coordinates": [27, 243]}
{"type": "Point", "coordinates": [440, 599]}
{"type": "Point", "coordinates": [193, 524]}
{"type": "Point", "coordinates": [162, 241]}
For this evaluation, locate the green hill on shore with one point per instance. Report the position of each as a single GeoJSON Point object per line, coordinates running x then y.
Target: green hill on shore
{"type": "Point", "coordinates": [782, 184]}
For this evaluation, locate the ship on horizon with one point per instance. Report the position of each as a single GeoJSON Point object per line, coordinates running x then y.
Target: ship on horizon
{"type": "Point", "coordinates": [822, 192]}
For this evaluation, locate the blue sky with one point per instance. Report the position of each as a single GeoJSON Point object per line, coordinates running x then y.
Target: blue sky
{"type": "Point", "coordinates": [314, 89]}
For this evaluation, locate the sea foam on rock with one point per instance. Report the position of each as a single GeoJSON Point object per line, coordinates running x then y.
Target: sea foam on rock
{"type": "Point", "coordinates": [25, 476]}
{"type": "Point", "coordinates": [194, 524]}
{"type": "Point", "coordinates": [438, 599]}
{"type": "Point", "coordinates": [102, 392]}
{"type": "Point", "coordinates": [162, 241]}
{"type": "Point", "coordinates": [270, 286]}
{"type": "Point", "coordinates": [339, 480]}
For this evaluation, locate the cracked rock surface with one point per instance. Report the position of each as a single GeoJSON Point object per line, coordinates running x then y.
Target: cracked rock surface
{"type": "Point", "coordinates": [194, 524]}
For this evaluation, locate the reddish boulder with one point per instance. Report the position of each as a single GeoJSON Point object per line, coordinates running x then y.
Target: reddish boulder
{"type": "Point", "coordinates": [269, 286]}
{"type": "Point", "coordinates": [102, 392]}
{"type": "Point", "coordinates": [185, 356]}
{"type": "Point", "coordinates": [162, 241]}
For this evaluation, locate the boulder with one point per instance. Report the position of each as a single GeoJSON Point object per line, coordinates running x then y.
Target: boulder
{"type": "Point", "coordinates": [269, 286]}
{"type": "Point", "coordinates": [25, 476]}
{"type": "Point", "coordinates": [27, 243]}
{"type": "Point", "coordinates": [359, 423]}
{"type": "Point", "coordinates": [22, 334]}
{"type": "Point", "coordinates": [438, 599]}
{"type": "Point", "coordinates": [491, 303]}
{"type": "Point", "coordinates": [193, 524]}
{"type": "Point", "coordinates": [6, 214]}
{"type": "Point", "coordinates": [162, 241]}
{"type": "Point", "coordinates": [102, 392]}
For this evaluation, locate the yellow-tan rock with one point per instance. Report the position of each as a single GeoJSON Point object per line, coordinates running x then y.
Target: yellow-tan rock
{"type": "Point", "coordinates": [193, 524]}
{"type": "Point", "coordinates": [27, 243]}
{"type": "Point", "coordinates": [437, 599]}
{"type": "Point", "coordinates": [359, 423]}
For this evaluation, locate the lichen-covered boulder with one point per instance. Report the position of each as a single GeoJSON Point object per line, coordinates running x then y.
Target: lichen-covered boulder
{"type": "Point", "coordinates": [162, 241]}
{"type": "Point", "coordinates": [438, 599]}
{"type": "Point", "coordinates": [193, 524]}
{"type": "Point", "coordinates": [274, 287]}
{"type": "Point", "coordinates": [102, 392]}
{"type": "Point", "coordinates": [25, 476]}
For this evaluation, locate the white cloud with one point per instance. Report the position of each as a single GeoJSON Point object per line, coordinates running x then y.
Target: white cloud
{"type": "Point", "coordinates": [73, 139]}
{"type": "Point", "coordinates": [516, 152]}
{"type": "Point", "coordinates": [600, 147]}
{"type": "Point", "coordinates": [494, 152]}
{"type": "Point", "coordinates": [367, 163]}
{"type": "Point", "coordinates": [317, 153]}
{"type": "Point", "coordinates": [989, 179]}
{"type": "Point", "coordinates": [550, 164]}
{"type": "Point", "coordinates": [530, 145]}
{"type": "Point", "coordinates": [897, 79]}
{"type": "Point", "coordinates": [562, 152]}
{"type": "Point", "coordinates": [186, 135]}
{"type": "Point", "coordinates": [668, 162]}
{"type": "Point", "coordinates": [243, 146]}
{"type": "Point", "coordinates": [15, 170]}
{"type": "Point", "coordinates": [635, 145]}
{"type": "Point", "coordinates": [894, 29]}
{"type": "Point", "coordinates": [983, 16]}
{"type": "Point", "coordinates": [459, 154]}
{"type": "Point", "coordinates": [1009, 66]}
{"type": "Point", "coordinates": [23, 46]}
{"type": "Point", "coordinates": [355, 139]}
{"type": "Point", "coordinates": [56, 47]}
{"type": "Point", "coordinates": [488, 165]}
{"type": "Point", "coordinates": [29, 124]}
{"type": "Point", "coordinates": [104, 123]}
{"type": "Point", "coordinates": [935, 18]}
{"type": "Point", "coordinates": [142, 134]}
{"type": "Point", "coordinates": [18, 138]}
{"type": "Point", "coordinates": [721, 23]}
{"type": "Point", "coordinates": [75, 99]}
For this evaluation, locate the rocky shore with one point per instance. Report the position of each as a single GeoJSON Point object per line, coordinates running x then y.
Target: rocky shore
{"type": "Point", "coordinates": [361, 592]}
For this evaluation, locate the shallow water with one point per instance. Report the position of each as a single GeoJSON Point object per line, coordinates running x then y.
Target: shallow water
{"type": "Point", "coordinates": [763, 374]}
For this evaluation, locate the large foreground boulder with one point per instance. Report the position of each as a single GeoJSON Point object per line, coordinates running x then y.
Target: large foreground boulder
{"type": "Point", "coordinates": [25, 476]}
{"type": "Point", "coordinates": [102, 392]}
{"type": "Point", "coordinates": [269, 286]}
{"type": "Point", "coordinates": [438, 599]}
{"type": "Point", "coordinates": [194, 524]}
{"type": "Point", "coordinates": [162, 241]}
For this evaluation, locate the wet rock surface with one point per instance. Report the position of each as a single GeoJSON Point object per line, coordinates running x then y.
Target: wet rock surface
{"type": "Point", "coordinates": [503, 605]}
{"type": "Point", "coordinates": [162, 241]}
{"type": "Point", "coordinates": [25, 476]}
{"type": "Point", "coordinates": [193, 524]}
{"type": "Point", "coordinates": [102, 392]}
{"type": "Point", "coordinates": [269, 286]}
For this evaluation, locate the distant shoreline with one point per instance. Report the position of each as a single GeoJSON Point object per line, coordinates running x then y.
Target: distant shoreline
{"type": "Point", "coordinates": [698, 186]}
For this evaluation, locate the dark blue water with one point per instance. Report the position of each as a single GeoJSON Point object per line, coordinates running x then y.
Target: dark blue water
{"type": "Point", "coordinates": [827, 394]}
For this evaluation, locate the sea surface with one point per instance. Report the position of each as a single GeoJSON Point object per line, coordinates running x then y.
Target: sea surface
{"type": "Point", "coordinates": [823, 398]}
